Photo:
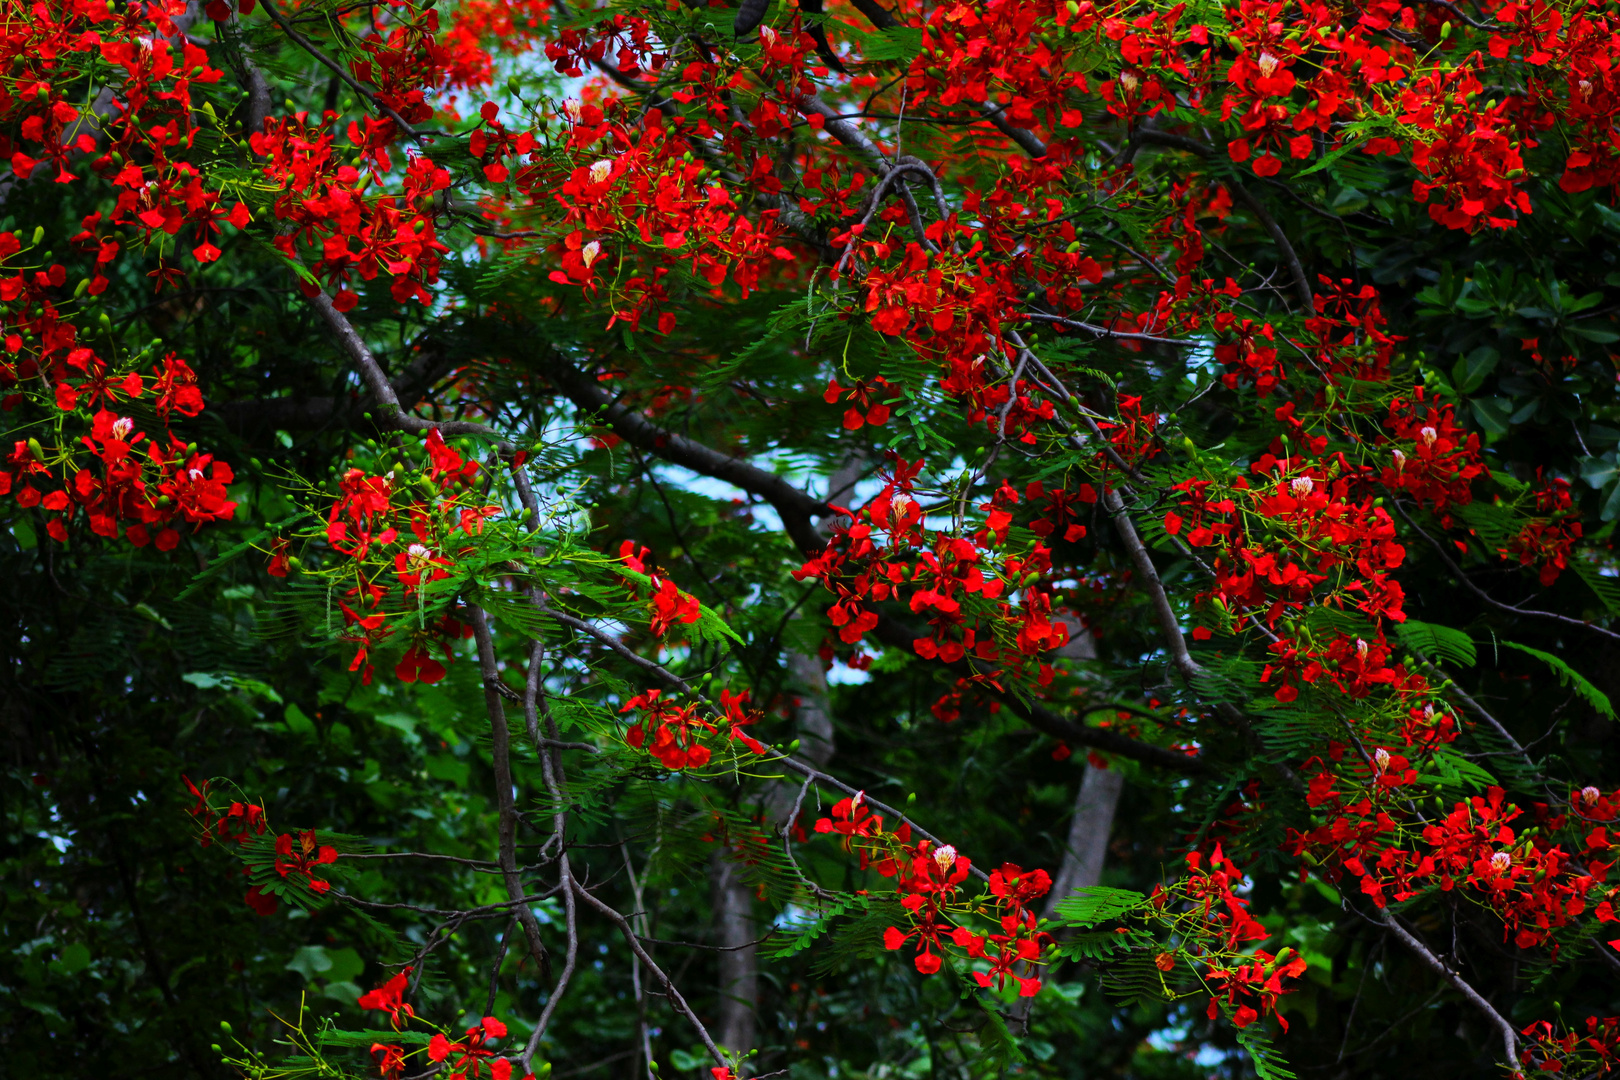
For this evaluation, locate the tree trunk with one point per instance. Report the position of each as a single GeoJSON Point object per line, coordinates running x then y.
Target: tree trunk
{"type": "Point", "coordinates": [1089, 829]}
{"type": "Point", "coordinates": [733, 899]}
{"type": "Point", "coordinates": [1094, 804]}
{"type": "Point", "coordinates": [739, 962]}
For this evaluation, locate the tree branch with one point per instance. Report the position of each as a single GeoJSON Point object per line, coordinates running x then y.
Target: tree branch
{"type": "Point", "coordinates": [796, 508]}
{"type": "Point", "coordinates": [505, 801]}
{"type": "Point", "coordinates": [1457, 572]}
{"type": "Point", "coordinates": [1510, 1041]}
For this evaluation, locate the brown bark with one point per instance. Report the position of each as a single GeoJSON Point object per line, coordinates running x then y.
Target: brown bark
{"type": "Point", "coordinates": [735, 932]}
{"type": "Point", "coordinates": [1086, 848]}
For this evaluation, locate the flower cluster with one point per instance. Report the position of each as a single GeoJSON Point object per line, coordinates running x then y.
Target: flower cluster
{"type": "Point", "coordinates": [672, 733]}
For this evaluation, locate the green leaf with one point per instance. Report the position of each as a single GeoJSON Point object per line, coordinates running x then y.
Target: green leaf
{"type": "Point", "coordinates": [893, 43]}
{"type": "Point", "coordinates": [686, 1062]}
{"type": "Point", "coordinates": [366, 1038]}
{"type": "Point", "coordinates": [1607, 588]}
{"type": "Point", "coordinates": [1493, 414]}
{"type": "Point", "coordinates": [1096, 904]}
{"type": "Point", "coordinates": [1568, 676]}
{"type": "Point", "coordinates": [298, 722]}
{"type": "Point", "coordinates": [230, 555]}
{"type": "Point", "coordinates": [75, 958]}
{"type": "Point", "coordinates": [1269, 1064]}
{"type": "Point", "coordinates": [1433, 642]}
{"type": "Point", "coordinates": [1328, 159]}
{"type": "Point", "coordinates": [806, 937]}
{"type": "Point", "coordinates": [310, 961]}
{"type": "Point", "coordinates": [24, 533]}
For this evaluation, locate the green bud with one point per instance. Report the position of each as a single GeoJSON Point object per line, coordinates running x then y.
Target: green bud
{"type": "Point", "coordinates": [1236, 42]}
{"type": "Point", "coordinates": [225, 1026]}
{"type": "Point", "coordinates": [793, 746]}
{"type": "Point", "coordinates": [911, 797]}
{"type": "Point", "coordinates": [39, 234]}
{"type": "Point", "coordinates": [1074, 8]}
{"type": "Point", "coordinates": [216, 1048]}
{"type": "Point", "coordinates": [106, 322]}
{"type": "Point", "coordinates": [295, 562]}
{"type": "Point", "coordinates": [514, 87]}
{"type": "Point", "coordinates": [1074, 248]}
{"type": "Point", "coordinates": [36, 449]}
{"type": "Point", "coordinates": [191, 448]}
{"type": "Point", "coordinates": [1445, 30]}
{"type": "Point", "coordinates": [82, 288]}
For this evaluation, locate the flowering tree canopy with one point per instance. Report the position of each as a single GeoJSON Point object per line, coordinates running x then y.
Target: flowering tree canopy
{"type": "Point", "coordinates": [987, 537]}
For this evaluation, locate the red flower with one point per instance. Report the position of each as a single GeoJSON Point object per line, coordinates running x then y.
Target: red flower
{"type": "Point", "coordinates": [390, 1059]}
{"type": "Point", "coordinates": [302, 856]}
{"type": "Point", "coordinates": [390, 998]}
{"type": "Point", "coordinates": [469, 1058]}
{"type": "Point", "coordinates": [263, 904]}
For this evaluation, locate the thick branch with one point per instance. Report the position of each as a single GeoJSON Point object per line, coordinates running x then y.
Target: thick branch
{"type": "Point", "coordinates": [1148, 576]}
{"type": "Point", "coordinates": [501, 755]}
{"type": "Point", "coordinates": [796, 508]}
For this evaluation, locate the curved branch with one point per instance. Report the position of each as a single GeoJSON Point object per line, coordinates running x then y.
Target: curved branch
{"type": "Point", "coordinates": [505, 801]}
{"type": "Point", "coordinates": [796, 508]}
{"type": "Point", "coordinates": [1510, 1040]}
{"type": "Point", "coordinates": [1457, 571]}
